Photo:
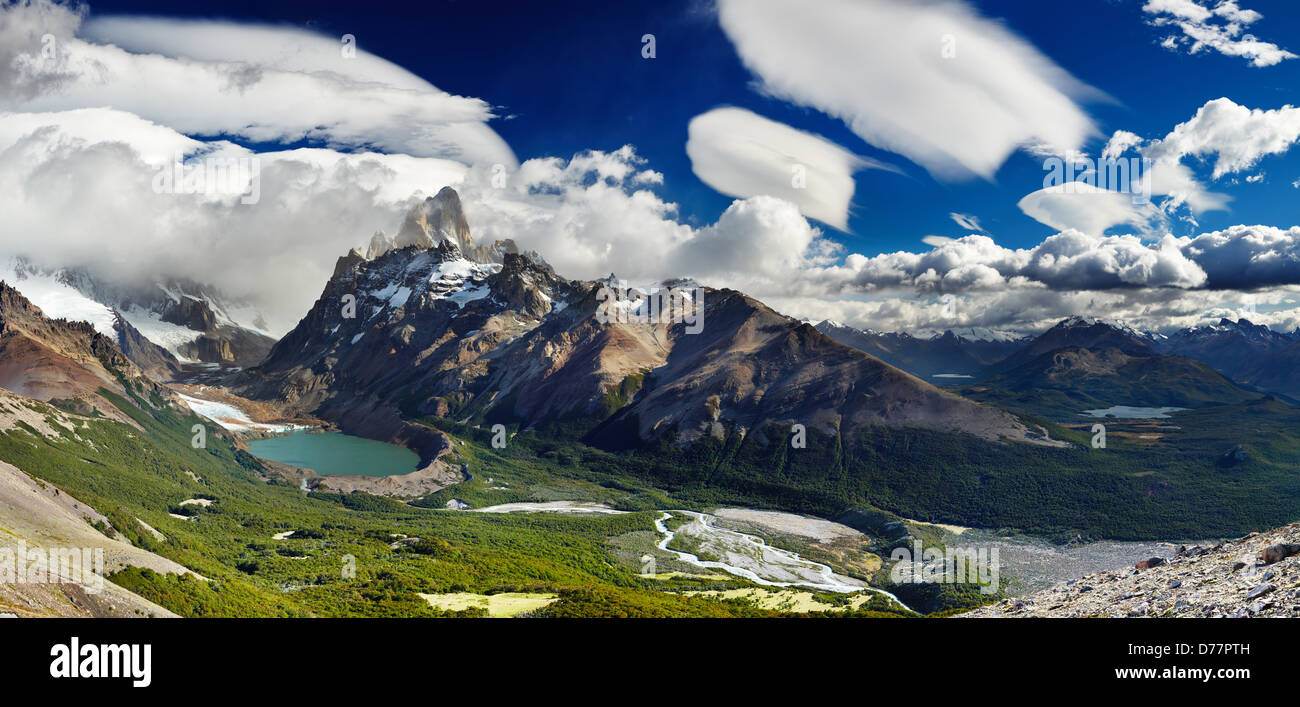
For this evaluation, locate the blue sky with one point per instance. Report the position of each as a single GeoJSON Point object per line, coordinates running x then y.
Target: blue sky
{"type": "Point", "coordinates": [569, 76]}
{"type": "Point", "coordinates": [910, 120]}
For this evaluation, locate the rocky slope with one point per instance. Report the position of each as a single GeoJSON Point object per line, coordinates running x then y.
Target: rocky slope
{"type": "Point", "coordinates": [751, 366]}
{"type": "Point", "coordinates": [189, 319]}
{"type": "Point", "coordinates": [156, 362]}
{"type": "Point", "coordinates": [42, 516]}
{"type": "Point", "coordinates": [1274, 371]}
{"type": "Point", "coordinates": [67, 362]}
{"type": "Point", "coordinates": [433, 324]}
{"type": "Point", "coordinates": [1255, 576]}
{"type": "Point", "coordinates": [1227, 346]}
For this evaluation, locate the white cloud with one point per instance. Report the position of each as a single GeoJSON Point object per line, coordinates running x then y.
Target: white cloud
{"type": "Point", "coordinates": [966, 221]}
{"type": "Point", "coordinates": [743, 154]}
{"type": "Point", "coordinates": [1247, 257]}
{"type": "Point", "coordinates": [69, 178]}
{"type": "Point", "coordinates": [935, 81]}
{"type": "Point", "coordinates": [1086, 208]}
{"type": "Point", "coordinates": [1202, 28]}
{"type": "Point", "coordinates": [589, 215]}
{"type": "Point", "coordinates": [261, 83]}
{"type": "Point", "coordinates": [1120, 143]}
{"type": "Point", "coordinates": [592, 215]}
{"type": "Point", "coordinates": [1237, 136]}
{"type": "Point", "coordinates": [1241, 257]}
{"type": "Point", "coordinates": [1031, 310]}
{"type": "Point", "coordinates": [1251, 271]}
{"type": "Point", "coordinates": [1184, 9]}
{"type": "Point", "coordinates": [77, 190]}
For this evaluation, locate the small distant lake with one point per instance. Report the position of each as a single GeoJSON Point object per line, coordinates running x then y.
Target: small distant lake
{"type": "Point", "coordinates": [333, 453]}
{"type": "Point", "coordinates": [1132, 413]}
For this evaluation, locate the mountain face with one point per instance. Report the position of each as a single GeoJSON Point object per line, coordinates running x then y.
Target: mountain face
{"type": "Point", "coordinates": [1228, 344]}
{"type": "Point", "coordinates": [1109, 376]}
{"type": "Point", "coordinates": [438, 219]}
{"type": "Point", "coordinates": [1277, 371]}
{"type": "Point", "coordinates": [190, 321]}
{"type": "Point", "coordinates": [193, 321]}
{"type": "Point", "coordinates": [1084, 333]}
{"type": "Point", "coordinates": [750, 366]}
{"type": "Point", "coordinates": [1251, 354]}
{"type": "Point", "coordinates": [67, 363]}
{"type": "Point", "coordinates": [944, 355]}
{"type": "Point", "coordinates": [156, 362]}
{"type": "Point", "coordinates": [427, 329]}
{"type": "Point", "coordinates": [1087, 364]}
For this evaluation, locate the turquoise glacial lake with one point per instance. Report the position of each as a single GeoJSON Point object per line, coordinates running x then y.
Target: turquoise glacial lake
{"type": "Point", "coordinates": [334, 453]}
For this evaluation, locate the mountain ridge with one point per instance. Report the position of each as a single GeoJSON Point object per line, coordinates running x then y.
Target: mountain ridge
{"type": "Point", "coordinates": [68, 363]}
{"type": "Point", "coordinates": [435, 331]}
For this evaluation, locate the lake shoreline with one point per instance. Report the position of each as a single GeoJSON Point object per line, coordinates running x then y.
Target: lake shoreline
{"type": "Point", "coordinates": [294, 463]}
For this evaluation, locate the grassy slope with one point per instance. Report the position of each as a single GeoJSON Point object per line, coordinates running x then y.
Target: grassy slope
{"type": "Point", "coordinates": [1179, 487]}
{"type": "Point", "coordinates": [128, 474]}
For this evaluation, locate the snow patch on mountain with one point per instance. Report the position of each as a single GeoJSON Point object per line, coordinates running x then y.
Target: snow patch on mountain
{"type": "Point", "coordinates": [172, 337]}
{"type": "Point", "coordinates": [424, 275]}
{"type": "Point", "coordinates": [231, 417]}
{"type": "Point", "coordinates": [59, 300]}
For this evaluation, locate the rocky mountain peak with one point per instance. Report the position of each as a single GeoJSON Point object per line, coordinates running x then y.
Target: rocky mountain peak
{"type": "Point", "coordinates": [14, 305]}
{"type": "Point", "coordinates": [1091, 322]}
{"type": "Point", "coordinates": [379, 244]}
{"type": "Point", "coordinates": [1091, 332]}
{"type": "Point", "coordinates": [436, 219]}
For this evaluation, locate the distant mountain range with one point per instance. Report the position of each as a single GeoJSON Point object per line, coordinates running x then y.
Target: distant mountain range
{"type": "Point", "coordinates": [1251, 354]}
{"type": "Point", "coordinates": [946, 355]}
{"type": "Point", "coordinates": [1083, 364]}
{"type": "Point", "coordinates": [431, 323]}
{"type": "Point", "coordinates": [1244, 354]}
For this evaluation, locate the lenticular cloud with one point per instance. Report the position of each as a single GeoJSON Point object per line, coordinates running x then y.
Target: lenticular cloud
{"type": "Point", "coordinates": [936, 82]}
{"type": "Point", "coordinates": [743, 154]}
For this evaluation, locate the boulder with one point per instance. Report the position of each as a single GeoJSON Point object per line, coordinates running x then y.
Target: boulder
{"type": "Point", "coordinates": [1278, 552]}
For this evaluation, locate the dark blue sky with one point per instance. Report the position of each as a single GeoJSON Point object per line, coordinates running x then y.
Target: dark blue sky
{"type": "Point", "coordinates": [570, 76]}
